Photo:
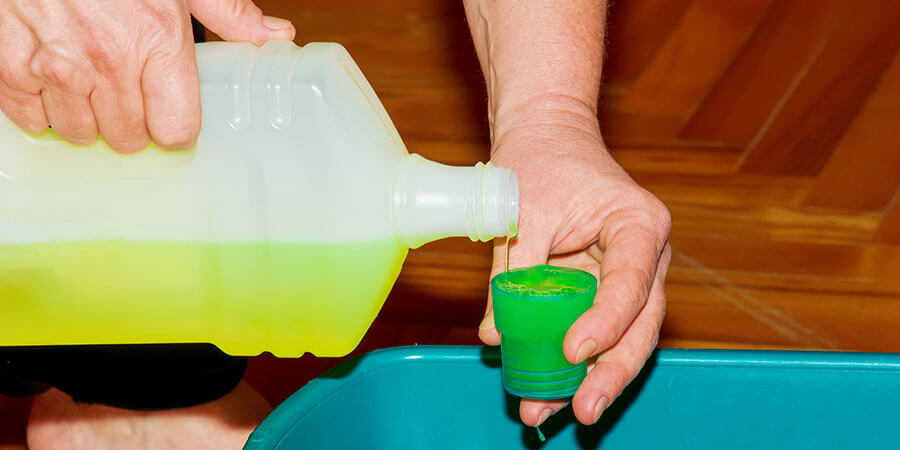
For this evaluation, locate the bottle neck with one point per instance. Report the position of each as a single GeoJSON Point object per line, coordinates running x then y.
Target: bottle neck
{"type": "Point", "coordinates": [433, 201]}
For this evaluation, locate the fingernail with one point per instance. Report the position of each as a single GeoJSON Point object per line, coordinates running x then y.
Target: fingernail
{"type": "Point", "coordinates": [488, 321]}
{"type": "Point", "coordinates": [601, 406]}
{"type": "Point", "coordinates": [545, 414]}
{"type": "Point", "coordinates": [586, 350]}
{"type": "Point", "coordinates": [276, 23]}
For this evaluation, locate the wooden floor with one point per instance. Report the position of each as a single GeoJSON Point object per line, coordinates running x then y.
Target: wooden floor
{"type": "Point", "coordinates": [769, 128]}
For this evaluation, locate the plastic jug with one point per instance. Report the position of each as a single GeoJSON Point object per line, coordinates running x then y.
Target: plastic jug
{"type": "Point", "coordinates": [283, 230]}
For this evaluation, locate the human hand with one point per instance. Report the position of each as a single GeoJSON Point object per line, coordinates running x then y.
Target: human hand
{"type": "Point", "coordinates": [121, 68]}
{"type": "Point", "coordinates": [580, 209]}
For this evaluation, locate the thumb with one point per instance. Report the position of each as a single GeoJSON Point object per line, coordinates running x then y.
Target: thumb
{"type": "Point", "coordinates": [528, 249]}
{"type": "Point", "coordinates": [241, 20]}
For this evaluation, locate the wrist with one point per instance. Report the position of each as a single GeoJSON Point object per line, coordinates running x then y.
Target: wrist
{"type": "Point", "coordinates": [545, 119]}
{"type": "Point", "coordinates": [543, 111]}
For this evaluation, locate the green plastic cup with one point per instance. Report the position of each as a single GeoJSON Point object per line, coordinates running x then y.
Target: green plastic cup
{"type": "Point", "coordinates": [533, 309]}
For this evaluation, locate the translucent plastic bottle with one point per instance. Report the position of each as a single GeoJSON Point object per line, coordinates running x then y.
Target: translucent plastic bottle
{"type": "Point", "coordinates": [283, 230]}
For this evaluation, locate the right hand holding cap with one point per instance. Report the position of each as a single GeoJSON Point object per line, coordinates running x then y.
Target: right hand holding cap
{"type": "Point", "coordinates": [122, 68]}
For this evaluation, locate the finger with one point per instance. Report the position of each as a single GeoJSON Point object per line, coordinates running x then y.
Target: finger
{"type": "Point", "coordinates": [119, 110]}
{"type": "Point", "coordinates": [616, 367]}
{"type": "Point", "coordinates": [628, 268]}
{"type": "Point", "coordinates": [71, 116]}
{"type": "Point", "coordinates": [23, 109]}
{"type": "Point", "coordinates": [20, 91]}
{"type": "Point", "coordinates": [171, 88]}
{"type": "Point", "coordinates": [536, 412]}
{"type": "Point", "coordinates": [241, 20]}
{"type": "Point", "coordinates": [66, 84]}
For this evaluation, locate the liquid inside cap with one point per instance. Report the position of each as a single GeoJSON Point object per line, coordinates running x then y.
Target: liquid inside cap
{"type": "Point", "coordinates": [544, 281]}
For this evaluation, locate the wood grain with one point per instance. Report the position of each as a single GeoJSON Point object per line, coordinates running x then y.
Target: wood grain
{"type": "Point", "coordinates": [725, 190]}
{"type": "Point", "coordinates": [889, 230]}
{"type": "Point", "coordinates": [681, 72]}
{"type": "Point", "coordinates": [644, 25]}
{"type": "Point", "coordinates": [726, 110]}
{"type": "Point", "coordinates": [864, 172]}
{"type": "Point", "coordinates": [677, 160]}
{"type": "Point", "coordinates": [806, 130]}
{"type": "Point", "coordinates": [786, 41]}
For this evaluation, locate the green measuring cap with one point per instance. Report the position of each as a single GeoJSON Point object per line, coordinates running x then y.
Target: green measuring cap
{"type": "Point", "coordinates": [533, 309]}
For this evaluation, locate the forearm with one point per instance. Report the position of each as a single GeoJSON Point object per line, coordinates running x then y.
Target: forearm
{"type": "Point", "coordinates": [542, 59]}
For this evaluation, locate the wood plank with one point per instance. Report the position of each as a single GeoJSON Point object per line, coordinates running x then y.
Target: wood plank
{"type": "Point", "coordinates": [772, 223]}
{"type": "Point", "coordinates": [812, 278]}
{"type": "Point", "coordinates": [806, 130]}
{"type": "Point", "coordinates": [782, 318]}
{"type": "Point", "coordinates": [864, 172]}
{"type": "Point", "coordinates": [889, 231]}
{"type": "Point", "coordinates": [725, 190]}
{"type": "Point", "coordinates": [694, 56]}
{"type": "Point", "coordinates": [451, 121]}
{"type": "Point", "coordinates": [686, 270]}
{"type": "Point", "coordinates": [850, 261]}
{"type": "Point", "coordinates": [785, 43]}
{"type": "Point", "coordinates": [639, 129]}
{"type": "Point", "coordinates": [747, 293]}
{"type": "Point", "coordinates": [824, 310]}
{"type": "Point", "coordinates": [696, 343]}
{"type": "Point", "coordinates": [635, 31]}
{"type": "Point", "coordinates": [675, 160]}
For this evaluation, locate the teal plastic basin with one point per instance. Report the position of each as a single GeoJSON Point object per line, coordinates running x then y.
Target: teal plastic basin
{"type": "Point", "coordinates": [428, 397]}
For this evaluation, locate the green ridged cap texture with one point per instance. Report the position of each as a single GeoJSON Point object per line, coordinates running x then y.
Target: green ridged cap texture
{"type": "Point", "coordinates": [533, 309]}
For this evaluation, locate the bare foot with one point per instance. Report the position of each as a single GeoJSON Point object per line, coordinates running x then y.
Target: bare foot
{"type": "Point", "coordinates": [56, 422]}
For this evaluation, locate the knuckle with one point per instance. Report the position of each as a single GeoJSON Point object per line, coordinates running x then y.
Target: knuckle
{"type": "Point", "coordinates": [129, 116]}
{"type": "Point", "coordinates": [57, 71]}
{"type": "Point", "coordinates": [619, 376]}
{"type": "Point", "coordinates": [653, 214]}
{"type": "Point", "coordinates": [166, 32]}
{"type": "Point", "coordinates": [666, 256]}
{"type": "Point", "coordinates": [663, 218]}
{"type": "Point", "coordinates": [240, 9]}
{"type": "Point", "coordinates": [644, 276]}
{"type": "Point", "coordinates": [650, 337]}
{"type": "Point", "coordinates": [16, 78]}
{"type": "Point", "coordinates": [633, 286]}
{"type": "Point", "coordinates": [105, 56]}
{"type": "Point", "coordinates": [162, 21]}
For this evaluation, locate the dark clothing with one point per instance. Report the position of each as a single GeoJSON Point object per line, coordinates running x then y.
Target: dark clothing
{"type": "Point", "coordinates": [140, 377]}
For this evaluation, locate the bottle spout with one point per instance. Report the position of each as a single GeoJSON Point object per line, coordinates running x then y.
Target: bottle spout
{"type": "Point", "coordinates": [433, 201]}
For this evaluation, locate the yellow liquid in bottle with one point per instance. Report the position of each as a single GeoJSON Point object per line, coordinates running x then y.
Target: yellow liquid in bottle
{"type": "Point", "coordinates": [245, 297]}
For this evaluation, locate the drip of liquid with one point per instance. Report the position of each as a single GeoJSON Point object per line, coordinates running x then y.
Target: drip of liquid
{"type": "Point", "coordinates": [540, 434]}
{"type": "Point", "coordinates": [507, 253]}
{"type": "Point", "coordinates": [508, 240]}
